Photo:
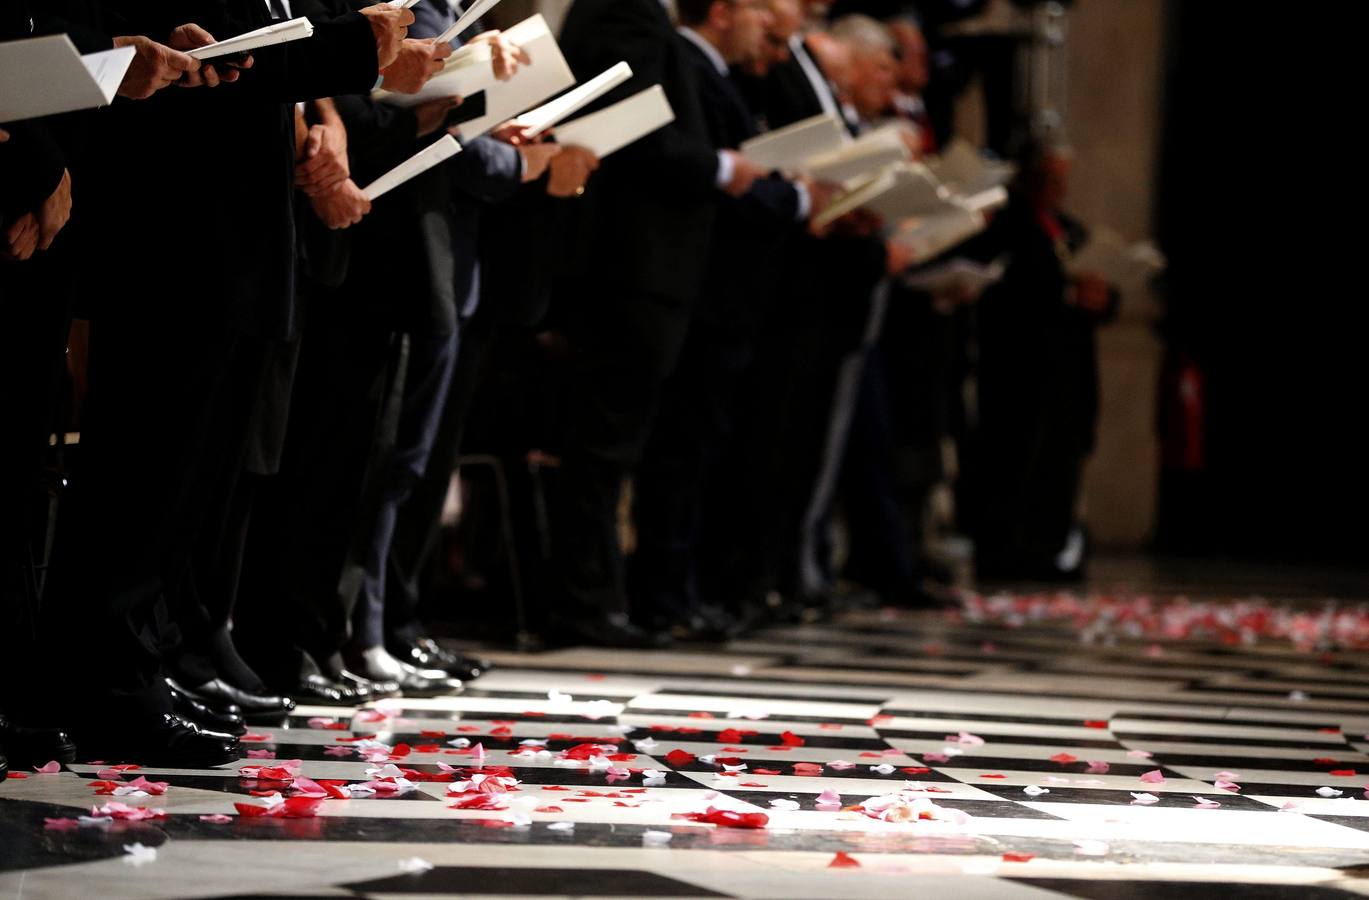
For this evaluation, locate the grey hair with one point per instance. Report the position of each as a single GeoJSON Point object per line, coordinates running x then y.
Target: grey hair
{"type": "Point", "coordinates": [863, 32]}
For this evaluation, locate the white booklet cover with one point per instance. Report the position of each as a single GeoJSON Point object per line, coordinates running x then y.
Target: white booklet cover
{"type": "Point", "coordinates": [568, 104]}
{"type": "Point", "coordinates": [609, 130]}
{"type": "Point", "coordinates": [266, 36]}
{"type": "Point", "coordinates": [467, 71]}
{"type": "Point", "coordinates": [544, 77]}
{"type": "Point", "coordinates": [44, 76]}
{"type": "Point", "coordinates": [788, 148]}
{"type": "Point", "coordinates": [440, 151]}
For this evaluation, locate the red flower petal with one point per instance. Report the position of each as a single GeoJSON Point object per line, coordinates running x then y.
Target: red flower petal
{"type": "Point", "coordinates": [765, 771]}
{"type": "Point", "coordinates": [807, 768]}
{"type": "Point", "coordinates": [556, 787]}
{"type": "Point", "coordinates": [843, 860]}
{"type": "Point", "coordinates": [1324, 761]}
{"type": "Point", "coordinates": [680, 757]}
{"type": "Point", "coordinates": [1064, 758]}
{"type": "Point", "coordinates": [432, 734]}
{"type": "Point", "coordinates": [994, 775]}
{"type": "Point", "coordinates": [622, 757]}
{"type": "Point", "coordinates": [791, 740]}
{"type": "Point", "coordinates": [755, 784]}
{"type": "Point", "coordinates": [428, 748]}
{"type": "Point", "coordinates": [701, 715]}
{"type": "Point", "coordinates": [1095, 723]}
{"type": "Point", "coordinates": [729, 736]}
{"type": "Point", "coordinates": [1013, 856]}
{"type": "Point", "coordinates": [872, 756]}
{"type": "Point", "coordinates": [549, 809]}
{"type": "Point", "coordinates": [915, 770]}
{"type": "Point", "coordinates": [831, 726]}
{"type": "Point", "coordinates": [1342, 773]}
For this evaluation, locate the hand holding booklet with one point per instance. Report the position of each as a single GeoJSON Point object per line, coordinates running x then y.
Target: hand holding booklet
{"type": "Point", "coordinates": [416, 165]}
{"type": "Point", "coordinates": [544, 77]}
{"type": "Point", "coordinates": [268, 36]}
{"type": "Point", "coordinates": [44, 76]}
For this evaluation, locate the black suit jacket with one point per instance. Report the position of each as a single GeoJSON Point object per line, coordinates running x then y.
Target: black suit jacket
{"type": "Point", "coordinates": [648, 212]}
{"type": "Point", "coordinates": [748, 231]}
{"type": "Point", "coordinates": [32, 161]}
{"type": "Point", "coordinates": [198, 184]}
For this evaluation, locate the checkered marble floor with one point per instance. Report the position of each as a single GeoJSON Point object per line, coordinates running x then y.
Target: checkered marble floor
{"type": "Point", "coordinates": [1050, 768]}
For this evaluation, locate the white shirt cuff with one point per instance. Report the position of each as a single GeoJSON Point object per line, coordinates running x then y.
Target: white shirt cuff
{"type": "Point", "coordinates": [726, 168]}
{"type": "Point", "coordinates": [805, 202]}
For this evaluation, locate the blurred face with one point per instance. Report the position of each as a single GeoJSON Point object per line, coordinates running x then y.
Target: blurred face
{"type": "Point", "coordinates": [742, 26]}
{"type": "Point", "coordinates": [875, 78]}
{"type": "Point", "coordinates": [913, 72]}
{"type": "Point", "coordinates": [786, 18]}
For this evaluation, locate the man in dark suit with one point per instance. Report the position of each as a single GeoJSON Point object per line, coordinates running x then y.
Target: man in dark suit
{"type": "Point", "coordinates": [47, 174]}
{"type": "Point", "coordinates": [488, 171]}
{"type": "Point", "coordinates": [645, 230]}
{"type": "Point", "coordinates": [695, 419]}
{"type": "Point", "coordinates": [174, 368]}
{"type": "Point", "coordinates": [781, 454]}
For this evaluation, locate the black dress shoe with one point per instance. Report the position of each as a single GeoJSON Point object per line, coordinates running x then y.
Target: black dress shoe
{"type": "Point", "coordinates": [192, 710]}
{"type": "Point", "coordinates": [425, 653]}
{"type": "Point", "coordinates": [604, 630]}
{"type": "Point", "coordinates": [367, 690]}
{"type": "Point", "coordinates": [257, 709]}
{"type": "Point", "coordinates": [318, 689]}
{"type": "Point", "coordinates": [702, 622]}
{"type": "Point", "coordinates": [415, 682]}
{"type": "Point", "coordinates": [167, 741]}
{"type": "Point", "coordinates": [30, 747]}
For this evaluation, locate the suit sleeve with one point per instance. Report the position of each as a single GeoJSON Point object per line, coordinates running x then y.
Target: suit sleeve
{"type": "Point", "coordinates": [31, 166]}
{"type": "Point", "coordinates": [379, 135]}
{"type": "Point", "coordinates": [339, 59]}
{"type": "Point", "coordinates": [776, 196]}
{"type": "Point", "coordinates": [672, 157]}
{"type": "Point", "coordinates": [487, 170]}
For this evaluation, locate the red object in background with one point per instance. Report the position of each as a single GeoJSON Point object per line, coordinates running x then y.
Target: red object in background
{"type": "Point", "coordinates": [1182, 415]}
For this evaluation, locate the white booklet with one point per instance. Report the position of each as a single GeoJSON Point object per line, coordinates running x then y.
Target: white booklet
{"type": "Point", "coordinates": [467, 71]}
{"type": "Point", "coordinates": [898, 192]}
{"type": "Point", "coordinates": [788, 148]}
{"type": "Point", "coordinates": [960, 274]}
{"type": "Point", "coordinates": [44, 76]}
{"type": "Point", "coordinates": [548, 114]}
{"type": "Point", "coordinates": [267, 36]}
{"type": "Point", "coordinates": [933, 235]}
{"type": "Point", "coordinates": [611, 129]}
{"type": "Point", "coordinates": [965, 170]}
{"type": "Point", "coordinates": [404, 4]}
{"type": "Point", "coordinates": [544, 77]}
{"type": "Point", "coordinates": [467, 19]}
{"type": "Point", "coordinates": [1127, 267]}
{"type": "Point", "coordinates": [861, 158]}
{"type": "Point", "coordinates": [438, 152]}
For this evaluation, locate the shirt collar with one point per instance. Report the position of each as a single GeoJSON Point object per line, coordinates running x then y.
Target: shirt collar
{"type": "Point", "coordinates": [708, 49]}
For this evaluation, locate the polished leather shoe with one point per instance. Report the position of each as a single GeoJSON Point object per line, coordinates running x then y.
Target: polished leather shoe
{"type": "Point", "coordinates": [605, 630]}
{"type": "Point", "coordinates": [257, 709]}
{"type": "Point", "coordinates": [415, 682]}
{"type": "Point", "coordinates": [711, 624]}
{"type": "Point", "coordinates": [321, 690]}
{"type": "Point", "coordinates": [167, 741]}
{"type": "Point", "coordinates": [192, 710]}
{"type": "Point", "coordinates": [426, 653]}
{"type": "Point", "coordinates": [30, 747]}
{"type": "Point", "coordinates": [367, 690]}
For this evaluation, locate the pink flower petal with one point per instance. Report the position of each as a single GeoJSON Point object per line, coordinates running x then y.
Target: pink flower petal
{"type": "Point", "coordinates": [1155, 776]}
{"type": "Point", "coordinates": [1223, 785]}
{"type": "Point", "coordinates": [49, 768]}
{"type": "Point", "coordinates": [270, 754]}
{"type": "Point", "coordinates": [1098, 767]}
{"type": "Point", "coordinates": [217, 819]}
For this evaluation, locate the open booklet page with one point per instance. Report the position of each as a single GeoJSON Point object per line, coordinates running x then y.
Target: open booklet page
{"type": "Point", "coordinates": [613, 128]}
{"type": "Point", "coordinates": [44, 76]}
